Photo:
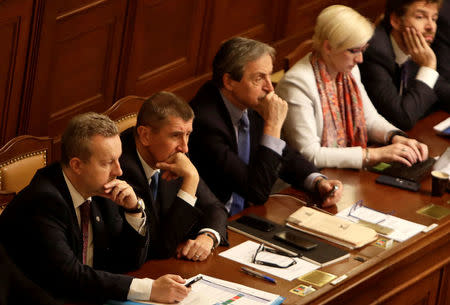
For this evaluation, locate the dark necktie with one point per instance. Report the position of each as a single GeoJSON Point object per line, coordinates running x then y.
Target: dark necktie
{"type": "Point", "coordinates": [85, 214]}
{"type": "Point", "coordinates": [238, 202]}
{"type": "Point", "coordinates": [154, 185]}
{"type": "Point", "coordinates": [405, 70]}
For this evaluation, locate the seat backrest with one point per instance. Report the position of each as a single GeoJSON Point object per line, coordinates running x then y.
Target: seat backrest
{"type": "Point", "coordinates": [124, 111]}
{"type": "Point", "coordinates": [20, 158]}
{"type": "Point", "coordinates": [304, 48]}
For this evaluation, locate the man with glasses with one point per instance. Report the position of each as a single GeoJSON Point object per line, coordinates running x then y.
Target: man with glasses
{"type": "Point", "coordinates": [399, 68]}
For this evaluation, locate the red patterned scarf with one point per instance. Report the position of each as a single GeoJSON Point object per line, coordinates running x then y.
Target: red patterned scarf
{"type": "Point", "coordinates": [343, 115]}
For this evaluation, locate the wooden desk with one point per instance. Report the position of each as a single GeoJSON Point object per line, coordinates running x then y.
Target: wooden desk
{"type": "Point", "coordinates": [414, 272]}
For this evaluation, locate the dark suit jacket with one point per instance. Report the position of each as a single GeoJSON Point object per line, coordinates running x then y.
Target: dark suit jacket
{"type": "Point", "coordinates": [40, 232]}
{"type": "Point", "coordinates": [16, 289]}
{"type": "Point", "coordinates": [213, 149]}
{"type": "Point", "coordinates": [381, 77]}
{"type": "Point", "coordinates": [441, 44]}
{"type": "Point", "coordinates": [171, 219]}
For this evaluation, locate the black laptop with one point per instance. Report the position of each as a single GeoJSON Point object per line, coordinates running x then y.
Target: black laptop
{"type": "Point", "coordinates": [399, 175]}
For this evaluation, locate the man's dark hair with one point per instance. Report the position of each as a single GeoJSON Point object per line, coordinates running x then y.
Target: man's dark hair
{"type": "Point", "coordinates": [234, 54]}
{"type": "Point", "coordinates": [399, 8]}
{"type": "Point", "coordinates": [157, 108]}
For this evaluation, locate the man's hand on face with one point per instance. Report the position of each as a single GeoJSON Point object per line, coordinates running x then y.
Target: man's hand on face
{"type": "Point", "coordinates": [179, 165]}
{"type": "Point", "coordinates": [416, 45]}
{"type": "Point", "coordinates": [121, 193]}
{"type": "Point", "coordinates": [273, 110]}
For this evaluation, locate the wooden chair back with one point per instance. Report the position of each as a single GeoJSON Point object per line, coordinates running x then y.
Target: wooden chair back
{"type": "Point", "coordinates": [124, 111]}
{"type": "Point", "coordinates": [20, 158]}
{"type": "Point", "coordinates": [299, 52]}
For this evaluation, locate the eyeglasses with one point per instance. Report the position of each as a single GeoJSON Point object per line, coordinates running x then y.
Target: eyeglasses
{"type": "Point", "coordinates": [357, 212]}
{"type": "Point", "coordinates": [272, 257]}
{"type": "Point", "coordinates": [358, 50]}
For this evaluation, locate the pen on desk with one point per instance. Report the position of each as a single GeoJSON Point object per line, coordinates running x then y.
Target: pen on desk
{"type": "Point", "coordinates": [193, 281]}
{"type": "Point", "coordinates": [258, 275]}
{"type": "Point", "coordinates": [331, 193]}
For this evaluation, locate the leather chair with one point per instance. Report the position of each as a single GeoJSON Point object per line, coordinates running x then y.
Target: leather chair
{"type": "Point", "coordinates": [299, 52]}
{"type": "Point", "coordinates": [20, 158]}
{"type": "Point", "coordinates": [124, 111]}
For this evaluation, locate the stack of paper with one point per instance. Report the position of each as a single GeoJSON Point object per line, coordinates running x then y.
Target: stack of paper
{"type": "Point", "coordinates": [401, 229]}
{"type": "Point", "coordinates": [210, 290]}
{"type": "Point", "coordinates": [332, 228]}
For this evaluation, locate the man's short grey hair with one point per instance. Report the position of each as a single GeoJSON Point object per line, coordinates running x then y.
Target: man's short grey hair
{"type": "Point", "coordinates": [76, 140]}
{"type": "Point", "coordinates": [234, 54]}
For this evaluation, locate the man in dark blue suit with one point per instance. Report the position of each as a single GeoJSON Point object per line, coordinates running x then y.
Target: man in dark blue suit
{"type": "Point", "coordinates": [441, 44]}
{"type": "Point", "coordinates": [399, 68]}
{"type": "Point", "coordinates": [185, 216]}
{"type": "Point", "coordinates": [76, 223]}
{"type": "Point", "coordinates": [236, 143]}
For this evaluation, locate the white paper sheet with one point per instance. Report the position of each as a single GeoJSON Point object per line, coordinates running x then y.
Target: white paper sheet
{"type": "Point", "coordinates": [403, 229]}
{"type": "Point", "coordinates": [243, 253]}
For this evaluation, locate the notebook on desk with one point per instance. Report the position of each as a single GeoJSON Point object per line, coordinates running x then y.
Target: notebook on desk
{"type": "Point", "coordinates": [399, 175]}
{"type": "Point", "coordinates": [323, 254]}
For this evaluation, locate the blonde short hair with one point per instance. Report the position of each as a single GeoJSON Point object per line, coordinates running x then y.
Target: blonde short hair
{"type": "Point", "coordinates": [343, 27]}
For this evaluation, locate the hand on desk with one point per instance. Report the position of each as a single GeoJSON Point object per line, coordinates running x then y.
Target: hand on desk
{"type": "Point", "coordinates": [330, 197]}
{"type": "Point", "coordinates": [169, 288]}
{"type": "Point", "coordinates": [196, 249]}
{"type": "Point", "coordinates": [404, 150]}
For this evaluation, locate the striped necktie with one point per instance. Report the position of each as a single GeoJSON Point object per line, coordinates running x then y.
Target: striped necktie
{"type": "Point", "coordinates": [85, 214]}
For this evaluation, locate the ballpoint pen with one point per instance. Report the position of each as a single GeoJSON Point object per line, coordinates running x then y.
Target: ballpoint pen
{"type": "Point", "coordinates": [195, 280]}
{"type": "Point", "coordinates": [258, 275]}
{"type": "Point", "coordinates": [331, 193]}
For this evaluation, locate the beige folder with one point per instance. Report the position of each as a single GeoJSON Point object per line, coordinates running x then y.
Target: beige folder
{"type": "Point", "coordinates": [332, 228]}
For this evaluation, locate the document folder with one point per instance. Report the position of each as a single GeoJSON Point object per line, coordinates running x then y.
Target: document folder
{"type": "Point", "coordinates": [332, 228]}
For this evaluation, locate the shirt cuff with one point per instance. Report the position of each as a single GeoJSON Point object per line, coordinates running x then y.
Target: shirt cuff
{"type": "Point", "coordinates": [309, 181]}
{"type": "Point", "coordinates": [138, 223]}
{"type": "Point", "coordinates": [140, 289]}
{"type": "Point", "coordinates": [275, 144]}
{"type": "Point", "coordinates": [187, 197]}
{"type": "Point", "coordinates": [428, 76]}
{"type": "Point", "coordinates": [217, 235]}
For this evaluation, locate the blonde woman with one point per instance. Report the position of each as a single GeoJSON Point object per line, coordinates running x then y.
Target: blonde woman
{"type": "Point", "coordinates": [330, 118]}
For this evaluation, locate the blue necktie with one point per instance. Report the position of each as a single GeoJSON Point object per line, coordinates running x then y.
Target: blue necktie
{"type": "Point", "coordinates": [154, 185]}
{"type": "Point", "coordinates": [244, 154]}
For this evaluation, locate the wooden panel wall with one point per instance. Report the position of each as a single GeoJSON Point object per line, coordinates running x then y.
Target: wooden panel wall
{"type": "Point", "coordinates": [15, 21]}
{"type": "Point", "coordinates": [61, 58]}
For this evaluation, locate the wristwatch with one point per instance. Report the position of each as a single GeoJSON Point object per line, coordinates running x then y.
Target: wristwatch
{"type": "Point", "coordinates": [138, 209]}
{"type": "Point", "coordinates": [213, 237]}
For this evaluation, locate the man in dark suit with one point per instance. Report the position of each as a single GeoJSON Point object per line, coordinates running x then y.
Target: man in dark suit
{"type": "Point", "coordinates": [76, 223]}
{"type": "Point", "coordinates": [441, 45]}
{"type": "Point", "coordinates": [185, 216]}
{"type": "Point", "coordinates": [399, 68]}
{"type": "Point", "coordinates": [16, 289]}
{"type": "Point", "coordinates": [236, 143]}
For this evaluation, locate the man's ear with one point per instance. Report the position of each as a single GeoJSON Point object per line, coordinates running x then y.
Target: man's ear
{"type": "Point", "coordinates": [75, 165]}
{"type": "Point", "coordinates": [396, 22]}
{"type": "Point", "coordinates": [144, 134]}
{"type": "Point", "coordinates": [228, 82]}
